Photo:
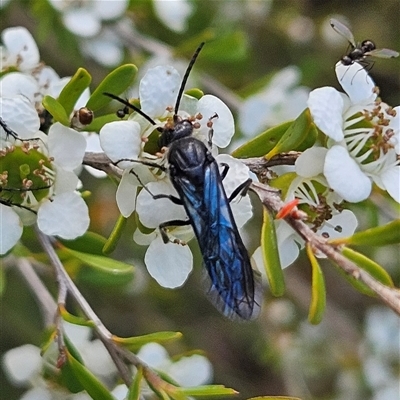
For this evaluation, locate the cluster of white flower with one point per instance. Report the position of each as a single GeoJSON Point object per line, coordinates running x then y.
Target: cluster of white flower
{"type": "Point", "coordinates": [24, 366]}
{"type": "Point", "coordinates": [158, 92]}
{"type": "Point", "coordinates": [362, 147]}
{"type": "Point", "coordinates": [38, 181]}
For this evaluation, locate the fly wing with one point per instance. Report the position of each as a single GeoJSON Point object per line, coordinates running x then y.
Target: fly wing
{"type": "Point", "coordinates": [343, 30]}
{"type": "Point", "coordinates": [234, 289]}
{"type": "Point", "coordinates": [383, 53]}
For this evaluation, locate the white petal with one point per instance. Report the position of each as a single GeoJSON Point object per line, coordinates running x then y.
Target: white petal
{"type": "Point", "coordinates": [345, 176]}
{"type": "Point", "coordinates": [22, 363]}
{"type": "Point", "coordinates": [391, 180]}
{"type": "Point", "coordinates": [20, 116]}
{"type": "Point", "coordinates": [17, 83]}
{"type": "Point", "coordinates": [126, 193]}
{"type": "Point", "coordinates": [340, 225]}
{"type": "Point", "coordinates": [356, 82]}
{"type": "Point", "coordinates": [326, 107]}
{"type": "Point", "coordinates": [223, 124]}
{"type": "Point", "coordinates": [168, 263]}
{"type": "Point", "coordinates": [107, 10]}
{"type": "Point", "coordinates": [10, 228]}
{"type": "Point", "coordinates": [288, 243]}
{"type": "Point", "coordinates": [143, 239]}
{"type": "Point", "coordinates": [22, 45]}
{"type": "Point", "coordinates": [158, 90]}
{"type": "Point", "coordinates": [153, 212]}
{"type": "Point", "coordinates": [82, 22]}
{"type": "Point", "coordinates": [66, 146]}
{"type": "Point", "coordinates": [190, 371]}
{"type": "Point", "coordinates": [174, 13]}
{"type": "Point", "coordinates": [105, 51]}
{"type": "Point", "coordinates": [311, 162]}
{"type": "Point", "coordinates": [121, 140]}
{"type": "Point", "coordinates": [66, 216]}
{"type": "Point", "coordinates": [37, 393]}
{"type": "Point", "coordinates": [154, 355]}
{"type": "Point", "coordinates": [66, 181]}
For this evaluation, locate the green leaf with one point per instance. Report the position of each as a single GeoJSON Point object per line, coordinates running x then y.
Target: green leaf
{"type": "Point", "coordinates": [231, 47]}
{"type": "Point", "coordinates": [115, 82]}
{"type": "Point", "coordinates": [263, 143]}
{"type": "Point", "coordinates": [358, 285]}
{"type": "Point", "coordinates": [283, 182]}
{"type": "Point", "coordinates": [196, 93]}
{"type": "Point", "coordinates": [208, 390]}
{"type": "Point", "coordinates": [73, 89]}
{"type": "Point", "coordinates": [318, 292]}
{"type": "Point", "coordinates": [56, 110]}
{"type": "Point", "coordinates": [134, 390]}
{"type": "Point", "coordinates": [101, 263]}
{"type": "Point", "coordinates": [378, 236]}
{"type": "Point", "coordinates": [269, 248]}
{"type": "Point", "coordinates": [136, 342]}
{"type": "Point", "coordinates": [73, 319]}
{"type": "Point", "coordinates": [90, 242]}
{"type": "Point", "coordinates": [88, 381]}
{"type": "Point", "coordinates": [115, 235]}
{"type": "Point", "coordinates": [99, 122]}
{"type": "Point", "coordinates": [295, 135]}
{"type": "Point", "coordinates": [374, 269]}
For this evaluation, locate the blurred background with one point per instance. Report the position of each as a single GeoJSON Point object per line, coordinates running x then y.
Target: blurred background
{"type": "Point", "coordinates": [253, 47]}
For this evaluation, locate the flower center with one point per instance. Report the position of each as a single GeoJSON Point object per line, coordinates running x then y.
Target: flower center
{"type": "Point", "coordinates": [25, 176]}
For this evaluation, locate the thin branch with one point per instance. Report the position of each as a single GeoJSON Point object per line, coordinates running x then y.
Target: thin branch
{"type": "Point", "coordinates": [271, 200]}
{"type": "Point", "coordinates": [102, 332]}
{"type": "Point", "coordinates": [44, 299]}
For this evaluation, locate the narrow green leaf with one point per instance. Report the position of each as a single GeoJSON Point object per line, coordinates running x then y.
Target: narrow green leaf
{"type": "Point", "coordinates": [90, 242]}
{"type": "Point", "coordinates": [136, 342]}
{"type": "Point", "coordinates": [89, 382]}
{"type": "Point", "coordinates": [262, 143]}
{"type": "Point", "coordinates": [295, 135]}
{"type": "Point", "coordinates": [115, 235]}
{"type": "Point", "coordinates": [101, 263]}
{"type": "Point", "coordinates": [56, 110]}
{"type": "Point", "coordinates": [73, 89]}
{"type": "Point", "coordinates": [73, 319]}
{"type": "Point", "coordinates": [374, 269]}
{"type": "Point", "coordinates": [134, 390]}
{"type": "Point", "coordinates": [269, 247]}
{"type": "Point", "coordinates": [115, 82]}
{"type": "Point", "coordinates": [318, 292]}
{"type": "Point", "coordinates": [378, 236]}
{"type": "Point", "coordinates": [195, 92]}
{"type": "Point", "coordinates": [208, 390]}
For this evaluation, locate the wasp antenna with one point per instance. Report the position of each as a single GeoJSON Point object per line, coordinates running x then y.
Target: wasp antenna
{"type": "Point", "coordinates": [125, 102]}
{"type": "Point", "coordinates": [186, 76]}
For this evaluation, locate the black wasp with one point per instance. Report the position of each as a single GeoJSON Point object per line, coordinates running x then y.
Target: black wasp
{"type": "Point", "coordinates": [359, 51]}
{"type": "Point", "coordinates": [235, 289]}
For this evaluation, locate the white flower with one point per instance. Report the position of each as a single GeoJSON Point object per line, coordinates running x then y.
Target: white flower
{"type": "Point", "coordinates": [311, 188]}
{"type": "Point", "coordinates": [281, 99]}
{"type": "Point", "coordinates": [45, 193]}
{"type": "Point", "coordinates": [124, 141]}
{"type": "Point", "coordinates": [364, 136]}
{"type": "Point", "coordinates": [187, 371]}
{"type": "Point", "coordinates": [84, 18]}
{"type": "Point", "coordinates": [174, 14]}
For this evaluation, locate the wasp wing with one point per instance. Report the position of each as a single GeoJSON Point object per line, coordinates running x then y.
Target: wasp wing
{"type": "Point", "coordinates": [235, 289]}
{"type": "Point", "coordinates": [382, 53]}
{"type": "Point", "coordinates": [343, 30]}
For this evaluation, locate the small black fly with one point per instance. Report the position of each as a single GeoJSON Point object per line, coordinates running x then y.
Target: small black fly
{"type": "Point", "coordinates": [235, 289]}
{"type": "Point", "coordinates": [359, 51]}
